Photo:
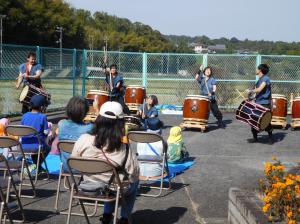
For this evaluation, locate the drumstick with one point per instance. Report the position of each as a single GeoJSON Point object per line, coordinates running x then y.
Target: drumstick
{"type": "Point", "coordinates": [143, 111]}
{"type": "Point", "coordinates": [241, 94]}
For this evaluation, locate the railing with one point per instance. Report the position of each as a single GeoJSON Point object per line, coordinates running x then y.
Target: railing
{"type": "Point", "coordinates": [169, 76]}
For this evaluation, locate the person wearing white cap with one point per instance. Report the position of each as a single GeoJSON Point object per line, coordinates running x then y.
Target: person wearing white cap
{"type": "Point", "coordinates": [105, 142]}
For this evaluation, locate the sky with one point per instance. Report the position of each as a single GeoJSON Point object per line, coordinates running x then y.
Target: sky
{"type": "Point", "coordinates": [274, 20]}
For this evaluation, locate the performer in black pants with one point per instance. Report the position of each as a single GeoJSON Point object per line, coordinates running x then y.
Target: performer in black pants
{"type": "Point", "coordinates": [29, 73]}
{"type": "Point", "coordinates": [263, 96]}
{"type": "Point", "coordinates": [115, 83]}
{"type": "Point", "coordinates": [208, 87]}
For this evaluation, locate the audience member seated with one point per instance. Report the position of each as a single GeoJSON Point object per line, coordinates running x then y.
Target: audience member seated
{"type": "Point", "coordinates": [3, 123]}
{"type": "Point", "coordinates": [149, 115]}
{"type": "Point", "coordinates": [73, 127]}
{"type": "Point", "coordinates": [177, 152]}
{"type": "Point", "coordinates": [36, 119]}
{"type": "Point", "coordinates": [105, 142]}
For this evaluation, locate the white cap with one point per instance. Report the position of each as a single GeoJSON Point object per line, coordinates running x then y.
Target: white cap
{"type": "Point", "coordinates": [112, 110]}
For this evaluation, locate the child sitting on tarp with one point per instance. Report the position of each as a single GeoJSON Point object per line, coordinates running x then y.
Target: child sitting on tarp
{"type": "Point", "coordinates": [149, 115]}
{"type": "Point", "coordinates": [177, 152]}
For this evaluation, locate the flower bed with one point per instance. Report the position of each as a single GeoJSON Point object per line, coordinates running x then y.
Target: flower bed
{"type": "Point", "coordinates": [281, 191]}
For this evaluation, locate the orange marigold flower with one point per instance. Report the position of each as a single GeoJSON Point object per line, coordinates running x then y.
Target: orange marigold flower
{"type": "Point", "coordinates": [297, 178]}
{"type": "Point", "coordinates": [266, 208]}
{"type": "Point", "coordinates": [292, 222]}
{"type": "Point", "coordinates": [289, 214]}
{"type": "Point", "coordinates": [270, 218]}
{"type": "Point", "coordinates": [280, 167]}
{"type": "Point", "coordinates": [289, 182]}
{"type": "Point", "coordinates": [274, 158]}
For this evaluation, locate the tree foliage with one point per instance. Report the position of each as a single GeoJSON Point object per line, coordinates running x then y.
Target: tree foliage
{"type": "Point", "coordinates": [34, 22]}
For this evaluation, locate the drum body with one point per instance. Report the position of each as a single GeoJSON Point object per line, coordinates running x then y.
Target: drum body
{"type": "Point", "coordinates": [279, 106]}
{"type": "Point", "coordinates": [29, 91]}
{"type": "Point", "coordinates": [132, 122]}
{"type": "Point", "coordinates": [135, 95]}
{"type": "Point", "coordinates": [296, 108]}
{"type": "Point", "coordinates": [196, 107]}
{"type": "Point", "coordinates": [254, 114]}
{"type": "Point", "coordinates": [100, 96]}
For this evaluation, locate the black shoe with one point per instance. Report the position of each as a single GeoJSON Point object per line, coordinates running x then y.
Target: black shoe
{"type": "Point", "coordinates": [252, 140]}
{"type": "Point", "coordinates": [221, 124]}
{"type": "Point", "coordinates": [270, 141]}
{"type": "Point", "coordinates": [123, 221]}
{"type": "Point", "coordinates": [106, 218]}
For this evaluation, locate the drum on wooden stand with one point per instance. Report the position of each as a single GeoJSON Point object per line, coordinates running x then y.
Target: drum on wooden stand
{"type": "Point", "coordinates": [132, 123]}
{"type": "Point", "coordinates": [134, 96]}
{"type": "Point", "coordinates": [279, 110]}
{"type": "Point", "coordinates": [254, 114]}
{"type": "Point", "coordinates": [196, 111]}
{"type": "Point", "coordinates": [295, 113]}
{"type": "Point", "coordinates": [101, 97]}
{"type": "Point", "coordinates": [29, 91]}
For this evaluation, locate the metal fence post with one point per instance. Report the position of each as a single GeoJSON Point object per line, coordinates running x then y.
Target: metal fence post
{"type": "Point", "coordinates": [258, 62]}
{"type": "Point", "coordinates": [205, 60]}
{"type": "Point", "coordinates": [74, 71]}
{"type": "Point", "coordinates": [38, 56]}
{"type": "Point", "coordinates": [84, 60]}
{"type": "Point", "coordinates": [145, 69]}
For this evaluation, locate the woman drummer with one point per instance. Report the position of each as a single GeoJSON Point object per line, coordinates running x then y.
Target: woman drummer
{"type": "Point", "coordinates": [208, 88]}
{"type": "Point", "coordinates": [263, 95]}
{"type": "Point", "coordinates": [29, 73]}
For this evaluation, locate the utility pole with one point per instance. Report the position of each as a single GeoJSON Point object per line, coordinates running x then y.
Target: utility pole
{"type": "Point", "coordinates": [60, 30]}
{"type": "Point", "coordinates": [1, 49]}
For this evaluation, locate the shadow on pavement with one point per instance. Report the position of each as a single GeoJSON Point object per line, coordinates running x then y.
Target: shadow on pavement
{"type": "Point", "coordinates": [168, 216]}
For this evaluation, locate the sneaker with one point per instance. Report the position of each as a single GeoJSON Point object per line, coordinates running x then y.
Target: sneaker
{"type": "Point", "coordinates": [106, 218]}
{"type": "Point", "coordinates": [31, 168]}
{"type": "Point", "coordinates": [252, 140]}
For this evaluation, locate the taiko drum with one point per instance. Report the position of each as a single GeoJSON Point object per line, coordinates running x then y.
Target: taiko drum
{"type": "Point", "coordinates": [296, 108]}
{"type": "Point", "coordinates": [279, 106]}
{"type": "Point", "coordinates": [196, 107]}
{"type": "Point", "coordinates": [100, 96]}
{"type": "Point", "coordinates": [135, 94]}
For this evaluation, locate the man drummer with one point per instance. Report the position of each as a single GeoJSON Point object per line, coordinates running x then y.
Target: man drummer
{"type": "Point", "coordinates": [115, 82]}
{"type": "Point", "coordinates": [262, 96]}
{"type": "Point", "coordinates": [29, 73]}
{"type": "Point", "coordinates": [208, 87]}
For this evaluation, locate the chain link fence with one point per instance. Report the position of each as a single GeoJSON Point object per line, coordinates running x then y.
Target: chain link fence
{"type": "Point", "coordinates": [61, 75]}
{"type": "Point", "coordinates": [69, 72]}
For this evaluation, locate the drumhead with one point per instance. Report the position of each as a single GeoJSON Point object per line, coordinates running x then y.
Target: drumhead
{"type": "Point", "coordinates": [23, 93]}
{"type": "Point", "coordinates": [265, 120]}
{"type": "Point", "coordinates": [297, 98]}
{"type": "Point", "coordinates": [135, 87]}
{"type": "Point", "coordinates": [197, 97]}
{"type": "Point", "coordinates": [98, 92]}
{"type": "Point", "coordinates": [278, 96]}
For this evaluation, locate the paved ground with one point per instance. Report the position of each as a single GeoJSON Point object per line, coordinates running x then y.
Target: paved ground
{"type": "Point", "coordinates": [223, 159]}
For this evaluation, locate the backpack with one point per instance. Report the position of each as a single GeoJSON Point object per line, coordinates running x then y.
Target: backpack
{"type": "Point", "coordinates": [177, 152]}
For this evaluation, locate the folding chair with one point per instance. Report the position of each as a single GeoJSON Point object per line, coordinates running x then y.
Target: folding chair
{"type": "Point", "coordinates": [147, 137]}
{"type": "Point", "coordinates": [5, 185]}
{"type": "Point", "coordinates": [22, 131]}
{"type": "Point", "coordinates": [93, 167]}
{"type": "Point", "coordinates": [67, 146]}
{"type": "Point", "coordinates": [15, 165]}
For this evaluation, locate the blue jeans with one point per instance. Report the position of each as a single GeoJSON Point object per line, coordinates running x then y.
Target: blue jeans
{"type": "Point", "coordinates": [129, 198]}
{"type": "Point", "coordinates": [64, 156]}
